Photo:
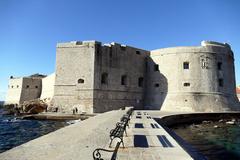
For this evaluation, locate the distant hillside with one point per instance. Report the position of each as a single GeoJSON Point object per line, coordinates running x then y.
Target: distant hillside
{"type": "Point", "coordinates": [1, 103]}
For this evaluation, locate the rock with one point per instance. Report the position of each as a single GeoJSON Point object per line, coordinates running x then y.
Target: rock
{"type": "Point", "coordinates": [34, 106]}
{"type": "Point", "coordinates": [230, 122]}
{"type": "Point", "coordinates": [205, 122]}
{"type": "Point", "coordinates": [215, 126]}
{"type": "Point", "coordinates": [221, 120]}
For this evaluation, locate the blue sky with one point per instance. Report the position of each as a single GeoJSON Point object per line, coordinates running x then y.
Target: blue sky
{"type": "Point", "coordinates": [30, 29]}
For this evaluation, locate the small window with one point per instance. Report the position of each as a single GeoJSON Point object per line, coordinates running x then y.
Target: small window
{"type": "Point", "coordinates": [219, 65]}
{"type": "Point", "coordinates": [220, 82]}
{"type": "Point", "coordinates": [124, 80]}
{"type": "Point", "coordinates": [110, 54]}
{"type": "Point", "coordinates": [27, 86]}
{"type": "Point", "coordinates": [137, 52]}
{"type": "Point", "coordinates": [104, 78]}
{"type": "Point", "coordinates": [17, 86]}
{"type": "Point", "coordinates": [80, 80]}
{"type": "Point", "coordinates": [36, 86]}
{"type": "Point", "coordinates": [156, 85]}
{"type": "Point", "coordinates": [185, 65]}
{"type": "Point", "coordinates": [12, 86]}
{"type": "Point", "coordinates": [140, 82]}
{"type": "Point", "coordinates": [186, 84]}
{"type": "Point", "coordinates": [156, 67]}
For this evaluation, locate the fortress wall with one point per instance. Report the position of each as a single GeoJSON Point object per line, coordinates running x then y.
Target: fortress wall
{"type": "Point", "coordinates": [74, 76]}
{"type": "Point", "coordinates": [197, 88]}
{"type": "Point", "coordinates": [31, 88]}
{"type": "Point", "coordinates": [124, 66]}
{"type": "Point", "coordinates": [14, 91]}
{"type": "Point", "coordinates": [48, 88]}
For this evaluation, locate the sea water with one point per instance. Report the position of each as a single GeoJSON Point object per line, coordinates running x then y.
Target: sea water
{"type": "Point", "coordinates": [215, 140]}
{"type": "Point", "coordinates": [14, 132]}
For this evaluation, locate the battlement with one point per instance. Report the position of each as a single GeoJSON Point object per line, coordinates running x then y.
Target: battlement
{"type": "Point", "coordinates": [206, 47]}
{"type": "Point", "coordinates": [213, 43]}
{"type": "Point", "coordinates": [76, 44]}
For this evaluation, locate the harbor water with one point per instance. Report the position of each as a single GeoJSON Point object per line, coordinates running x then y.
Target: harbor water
{"type": "Point", "coordinates": [14, 132]}
{"type": "Point", "coordinates": [216, 140]}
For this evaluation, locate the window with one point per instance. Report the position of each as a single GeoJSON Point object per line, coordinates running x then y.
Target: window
{"type": "Point", "coordinates": [17, 86]}
{"type": "Point", "coordinates": [186, 84]}
{"type": "Point", "coordinates": [104, 78]}
{"type": "Point", "coordinates": [124, 80]}
{"type": "Point", "coordinates": [156, 67]}
{"type": "Point", "coordinates": [219, 65]}
{"type": "Point", "coordinates": [140, 82]}
{"type": "Point", "coordinates": [220, 82]}
{"type": "Point", "coordinates": [110, 54]}
{"type": "Point", "coordinates": [36, 86]}
{"type": "Point", "coordinates": [137, 52]}
{"type": "Point", "coordinates": [27, 86]}
{"type": "Point", "coordinates": [80, 80]}
{"type": "Point", "coordinates": [156, 85]}
{"type": "Point", "coordinates": [185, 65]}
{"type": "Point", "coordinates": [12, 86]}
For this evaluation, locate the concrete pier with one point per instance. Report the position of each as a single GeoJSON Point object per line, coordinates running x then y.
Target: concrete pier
{"type": "Point", "coordinates": [145, 140]}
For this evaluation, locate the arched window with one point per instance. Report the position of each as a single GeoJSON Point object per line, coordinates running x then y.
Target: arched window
{"type": "Point", "coordinates": [80, 80]}
{"type": "Point", "coordinates": [140, 82]}
{"type": "Point", "coordinates": [124, 80]}
{"type": "Point", "coordinates": [104, 78]}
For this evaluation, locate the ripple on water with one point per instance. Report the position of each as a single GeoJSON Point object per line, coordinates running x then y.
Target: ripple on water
{"type": "Point", "coordinates": [14, 132]}
{"type": "Point", "coordinates": [216, 140]}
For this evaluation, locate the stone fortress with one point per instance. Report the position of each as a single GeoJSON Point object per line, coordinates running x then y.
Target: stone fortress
{"type": "Point", "coordinates": [96, 78]}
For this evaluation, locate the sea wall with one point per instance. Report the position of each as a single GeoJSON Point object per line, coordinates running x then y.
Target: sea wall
{"type": "Point", "coordinates": [76, 141]}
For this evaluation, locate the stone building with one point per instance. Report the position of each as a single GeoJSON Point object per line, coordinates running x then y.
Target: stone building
{"type": "Point", "coordinates": [22, 89]}
{"type": "Point", "coordinates": [96, 77]}
{"type": "Point", "coordinates": [192, 78]}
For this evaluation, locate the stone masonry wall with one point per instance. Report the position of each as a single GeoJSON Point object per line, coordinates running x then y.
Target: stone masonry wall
{"type": "Point", "coordinates": [74, 79]}
{"type": "Point", "coordinates": [124, 66]}
{"type": "Point", "coordinates": [23, 89]}
{"type": "Point", "coordinates": [207, 85]}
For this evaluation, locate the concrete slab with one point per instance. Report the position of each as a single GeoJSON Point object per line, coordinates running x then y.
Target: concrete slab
{"type": "Point", "coordinates": [78, 141]}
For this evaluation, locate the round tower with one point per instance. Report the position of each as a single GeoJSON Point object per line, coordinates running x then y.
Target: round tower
{"type": "Point", "coordinates": [198, 78]}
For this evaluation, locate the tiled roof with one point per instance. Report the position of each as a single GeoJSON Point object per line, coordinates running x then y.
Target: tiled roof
{"type": "Point", "coordinates": [238, 90]}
